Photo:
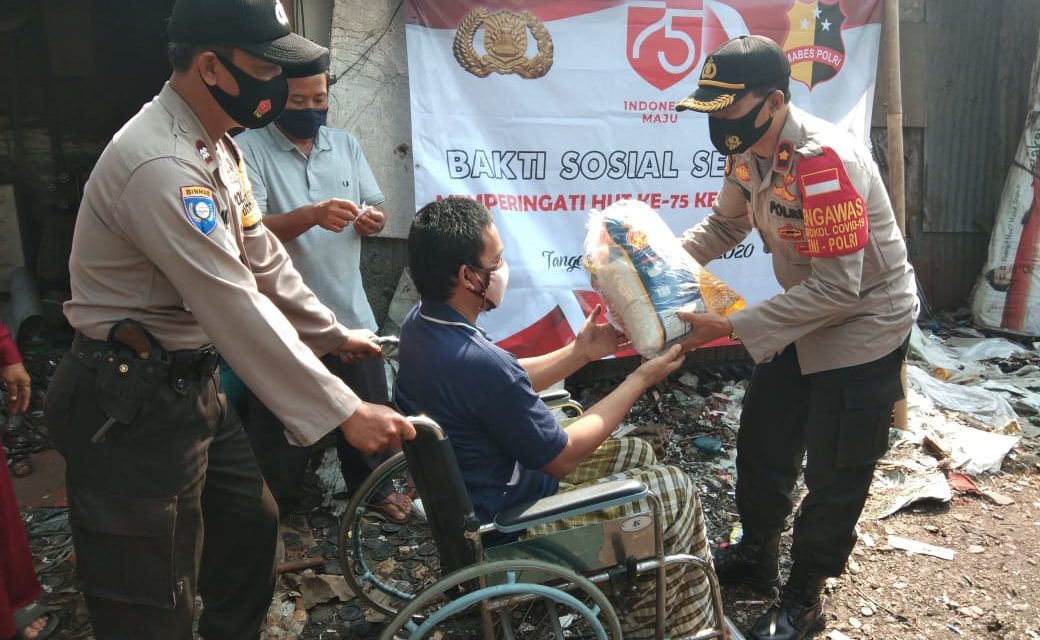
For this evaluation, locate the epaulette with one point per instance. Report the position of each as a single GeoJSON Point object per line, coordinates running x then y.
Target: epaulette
{"type": "Point", "coordinates": [783, 160]}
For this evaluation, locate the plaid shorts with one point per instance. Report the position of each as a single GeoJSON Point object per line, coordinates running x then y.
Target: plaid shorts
{"type": "Point", "coordinates": [688, 599]}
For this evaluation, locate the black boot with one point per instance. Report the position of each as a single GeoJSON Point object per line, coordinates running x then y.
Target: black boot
{"type": "Point", "coordinates": [799, 611]}
{"type": "Point", "coordinates": [752, 562]}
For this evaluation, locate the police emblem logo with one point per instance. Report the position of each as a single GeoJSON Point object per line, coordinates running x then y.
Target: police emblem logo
{"type": "Point", "coordinates": [505, 40]}
{"type": "Point", "coordinates": [200, 208]}
{"type": "Point", "coordinates": [732, 142]}
{"type": "Point", "coordinates": [709, 70]}
{"type": "Point", "coordinates": [814, 43]}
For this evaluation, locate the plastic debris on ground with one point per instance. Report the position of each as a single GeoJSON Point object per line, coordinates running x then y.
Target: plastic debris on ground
{"type": "Point", "coordinates": [900, 484]}
{"type": "Point", "coordinates": [317, 588]}
{"type": "Point", "coordinates": [286, 617]}
{"type": "Point", "coordinates": [984, 407]}
{"type": "Point", "coordinates": [973, 402]}
{"type": "Point", "coordinates": [922, 548]}
{"type": "Point", "coordinates": [331, 484]}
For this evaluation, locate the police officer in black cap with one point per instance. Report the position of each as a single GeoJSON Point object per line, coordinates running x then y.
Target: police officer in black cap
{"type": "Point", "coordinates": [171, 262]}
{"type": "Point", "coordinates": [828, 349]}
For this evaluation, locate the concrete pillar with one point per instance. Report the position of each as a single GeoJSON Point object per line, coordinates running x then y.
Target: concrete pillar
{"type": "Point", "coordinates": [370, 97]}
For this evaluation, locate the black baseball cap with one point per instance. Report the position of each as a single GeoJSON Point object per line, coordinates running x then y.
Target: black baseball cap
{"type": "Point", "coordinates": [313, 68]}
{"type": "Point", "coordinates": [259, 27]}
{"type": "Point", "coordinates": [737, 67]}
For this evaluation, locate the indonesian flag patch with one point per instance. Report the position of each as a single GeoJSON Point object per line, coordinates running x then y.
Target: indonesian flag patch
{"type": "Point", "coordinates": [835, 214]}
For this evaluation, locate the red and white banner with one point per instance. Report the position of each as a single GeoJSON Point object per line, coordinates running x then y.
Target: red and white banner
{"type": "Point", "coordinates": [545, 109]}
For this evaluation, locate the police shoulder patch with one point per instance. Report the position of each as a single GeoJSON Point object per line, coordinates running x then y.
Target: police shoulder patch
{"type": "Point", "coordinates": [200, 208]}
{"type": "Point", "coordinates": [834, 213]}
{"type": "Point", "coordinates": [784, 156]}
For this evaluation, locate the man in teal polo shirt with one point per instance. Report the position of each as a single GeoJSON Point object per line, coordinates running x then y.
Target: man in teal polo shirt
{"type": "Point", "coordinates": [319, 196]}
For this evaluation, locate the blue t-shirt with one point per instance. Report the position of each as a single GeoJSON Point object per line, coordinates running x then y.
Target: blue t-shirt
{"type": "Point", "coordinates": [284, 179]}
{"type": "Point", "coordinates": [502, 433]}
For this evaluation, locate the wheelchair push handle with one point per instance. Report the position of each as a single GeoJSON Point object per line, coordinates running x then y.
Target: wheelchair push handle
{"type": "Point", "coordinates": [426, 426]}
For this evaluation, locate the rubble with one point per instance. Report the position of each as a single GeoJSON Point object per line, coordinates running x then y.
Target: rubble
{"type": "Point", "coordinates": [944, 488]}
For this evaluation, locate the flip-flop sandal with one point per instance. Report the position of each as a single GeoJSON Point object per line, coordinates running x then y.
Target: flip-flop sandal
{"type": "Point", "coordinates": [30, 614]}
{"type": "Point", "coordinates": [395, 507]}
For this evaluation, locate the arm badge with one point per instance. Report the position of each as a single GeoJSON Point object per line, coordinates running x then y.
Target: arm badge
{"type": "Point", "coordinates": [835, 214]}
{"type": "Point", "coordinates": [200, 208]}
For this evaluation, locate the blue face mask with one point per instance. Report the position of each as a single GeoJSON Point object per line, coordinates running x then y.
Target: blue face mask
{"type": "Point", "coordinates": [302, 123]}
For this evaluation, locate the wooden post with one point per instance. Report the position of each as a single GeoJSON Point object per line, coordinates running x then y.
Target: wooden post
{"type": "Point", "coordinates": [896, 174]}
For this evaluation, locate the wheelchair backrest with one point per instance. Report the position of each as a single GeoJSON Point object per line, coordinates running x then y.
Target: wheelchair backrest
{"type": "Point", "coordinates": [449, 510]}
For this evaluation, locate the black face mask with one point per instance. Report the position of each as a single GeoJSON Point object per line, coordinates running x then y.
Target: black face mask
{"type": "Point", "coordinates": [258, 101]}
{"type": "Point", "coordinates": [737, 135]}
{"type": "Point", "coordinates": [302, 123]}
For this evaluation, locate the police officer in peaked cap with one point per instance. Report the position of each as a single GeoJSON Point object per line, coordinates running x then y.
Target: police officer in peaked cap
{"type": "Point", "coordinates": [171, 263]}
{"type": "Point", "coordinates": [828, 349]}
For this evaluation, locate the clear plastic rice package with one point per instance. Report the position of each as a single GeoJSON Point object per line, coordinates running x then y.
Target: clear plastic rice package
{"type": "Point", "coordinates": [644, 276]}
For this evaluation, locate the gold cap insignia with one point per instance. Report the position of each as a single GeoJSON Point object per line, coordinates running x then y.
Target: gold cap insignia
{"type": "Point", "coordinates": [706, 106]}
{"type": "Point", "coordinates": [709, 70]}
{"type": "Point", "coordinates": [505, 40]}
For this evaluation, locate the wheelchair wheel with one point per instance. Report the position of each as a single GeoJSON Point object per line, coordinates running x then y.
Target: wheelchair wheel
{"type": "Point", "coordinates": [521, 599]}
{"type": "Point", "coordinates": [384, 562]}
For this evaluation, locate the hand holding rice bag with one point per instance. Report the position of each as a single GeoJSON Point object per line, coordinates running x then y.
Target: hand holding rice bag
{"type": "Point", "coordinates": [644, 276]}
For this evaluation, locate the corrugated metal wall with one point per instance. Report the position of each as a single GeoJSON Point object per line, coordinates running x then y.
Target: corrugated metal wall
{"type": "Point", "coordinates": [979, 55]}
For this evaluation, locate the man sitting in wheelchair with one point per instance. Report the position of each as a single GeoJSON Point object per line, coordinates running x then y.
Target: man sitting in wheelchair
{"type": "Point", "coordinates": [510, 449]}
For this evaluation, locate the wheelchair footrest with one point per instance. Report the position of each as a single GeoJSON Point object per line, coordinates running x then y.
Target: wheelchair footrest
{"type": "Point", "coordinates": [570, 503]}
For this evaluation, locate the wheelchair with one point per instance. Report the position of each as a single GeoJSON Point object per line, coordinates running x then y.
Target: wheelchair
{"type": "Point", "coordinates": [387, 564]}
{"type": "Point", "coordinates": [541, 587]}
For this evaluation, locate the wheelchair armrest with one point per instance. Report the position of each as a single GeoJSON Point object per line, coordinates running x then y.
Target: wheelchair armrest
{"type": "Point", "coordinates": [556, 395]}
{"type": "Point", "coordinates": [569, 503]}
{"type": "Point", "coordinates": [561, 401]}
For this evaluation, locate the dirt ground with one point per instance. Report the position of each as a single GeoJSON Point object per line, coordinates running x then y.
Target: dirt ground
{"type": "Point", "coordinates": [989, 589]}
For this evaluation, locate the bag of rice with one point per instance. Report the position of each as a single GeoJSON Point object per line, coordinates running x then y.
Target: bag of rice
{"type": "Point", "coordinates": [644, 276]}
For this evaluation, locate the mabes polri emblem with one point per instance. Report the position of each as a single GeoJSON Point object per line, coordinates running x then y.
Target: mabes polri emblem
{"type": "Point", "coordinates": [505, 41]}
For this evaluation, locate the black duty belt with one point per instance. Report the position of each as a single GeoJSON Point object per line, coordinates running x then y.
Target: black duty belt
{"type": "Point", "coordinates": [184, 365]}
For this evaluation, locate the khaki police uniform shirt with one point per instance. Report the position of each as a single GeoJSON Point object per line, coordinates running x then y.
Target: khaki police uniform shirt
{"type": "Point", "coordinates": [840, 310]}
{"type": "Point", "coordinates": [168, 233]}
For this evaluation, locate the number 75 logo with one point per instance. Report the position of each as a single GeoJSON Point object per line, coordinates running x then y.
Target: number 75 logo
{"type": "Point", "coordinates": [664, 39]}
